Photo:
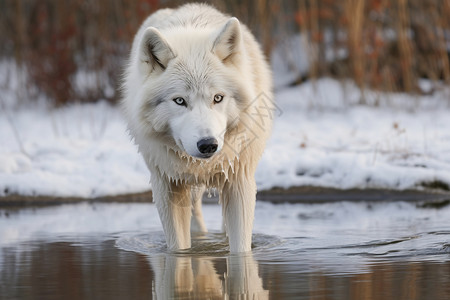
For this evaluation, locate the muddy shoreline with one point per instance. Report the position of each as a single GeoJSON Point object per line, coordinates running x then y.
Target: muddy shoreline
{"type": "Point", "coordinates": [276, 195]}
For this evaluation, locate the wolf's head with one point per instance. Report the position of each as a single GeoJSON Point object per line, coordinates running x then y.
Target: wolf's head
{"type": "Point", "coordinates": [194, 84]}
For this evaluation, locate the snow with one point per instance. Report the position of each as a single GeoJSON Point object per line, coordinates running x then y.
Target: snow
{"type": "Point", "coordinates": [293, 57]}
{"type": "Point", "coordinates": [77, 151]}
{"type": "Point", "coordinates": [322, 137]}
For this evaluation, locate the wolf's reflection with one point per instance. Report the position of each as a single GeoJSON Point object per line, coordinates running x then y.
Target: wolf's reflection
{"type": "Point", "coordinates": [200, 277]}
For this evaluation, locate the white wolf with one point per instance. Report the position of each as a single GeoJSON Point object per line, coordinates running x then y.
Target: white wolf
{"type": "Point", "coordinates": [197, 98]}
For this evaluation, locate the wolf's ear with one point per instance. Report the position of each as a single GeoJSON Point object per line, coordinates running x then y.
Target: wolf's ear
{"type": "Point", "coordinates": [227, 44]}
{"type": "Point", "coordinates": [155, 52]}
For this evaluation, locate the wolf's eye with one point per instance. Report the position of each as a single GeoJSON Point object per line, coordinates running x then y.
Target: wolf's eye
{"type": "Point", "coordinates": [180, 101]}
{"type": "Point", "coordinates": [218, 98]}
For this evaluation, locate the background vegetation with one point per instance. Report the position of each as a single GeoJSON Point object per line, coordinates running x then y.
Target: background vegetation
{"type": "Point", "coordinates": [75, 50]}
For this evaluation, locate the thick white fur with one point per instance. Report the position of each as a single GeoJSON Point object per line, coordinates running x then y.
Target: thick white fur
{"type": "Point", "coordinates": [196, 52]}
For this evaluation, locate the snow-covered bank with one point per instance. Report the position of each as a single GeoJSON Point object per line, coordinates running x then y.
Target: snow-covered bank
{"type": "Point", "coordinates": [324, 139]}
{"type": "Point", "coordinates": [321, 138]}
{"type": "Point", "coordinates": [78, 151]}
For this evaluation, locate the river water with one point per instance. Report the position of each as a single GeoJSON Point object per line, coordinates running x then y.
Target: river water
{"type": "Point", "coordinates": [339, 250]}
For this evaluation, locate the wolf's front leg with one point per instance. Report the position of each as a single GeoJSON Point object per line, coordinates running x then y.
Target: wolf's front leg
{"type": "Point", "coordinates": [197, 222]}
{"type": "Point", "coordinates": [174, 207]}
{"type": "Point", "coordinates": [238, 208]}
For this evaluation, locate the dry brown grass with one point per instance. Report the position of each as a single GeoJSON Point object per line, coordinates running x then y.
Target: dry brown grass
{"type": "Point", "coordinates": [390, 44]}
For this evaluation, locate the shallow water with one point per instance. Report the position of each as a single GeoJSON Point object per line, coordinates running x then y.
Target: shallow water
{"type": "Point", "coordinates": [339, 250]}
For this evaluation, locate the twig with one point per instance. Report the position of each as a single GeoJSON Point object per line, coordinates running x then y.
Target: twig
{"type": "Point", "coordinates": [13, 127]}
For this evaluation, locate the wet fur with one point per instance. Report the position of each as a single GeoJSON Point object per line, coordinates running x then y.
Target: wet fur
{"type": "Point", "coordinates": [198, 50]}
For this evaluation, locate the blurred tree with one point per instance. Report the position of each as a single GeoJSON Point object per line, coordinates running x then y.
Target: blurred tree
{"type": "Point", "coordinates": [75, 50]}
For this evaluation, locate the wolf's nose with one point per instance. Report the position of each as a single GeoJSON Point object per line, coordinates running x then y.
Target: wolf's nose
{"type": "Point", "coordinates": [207, 146]}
